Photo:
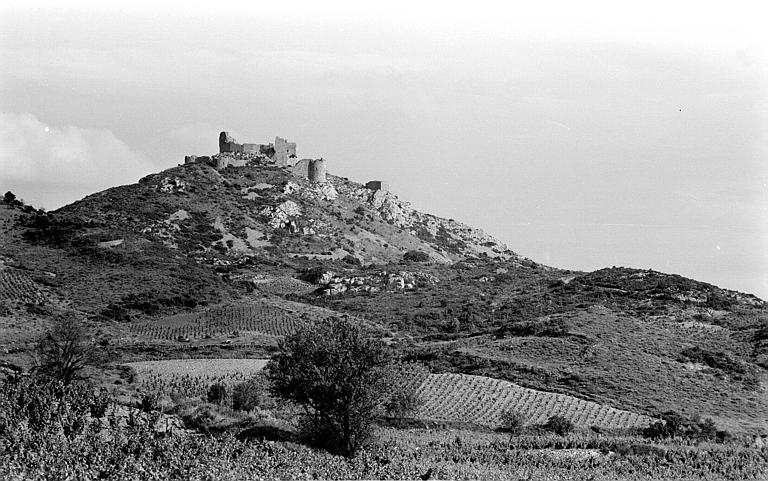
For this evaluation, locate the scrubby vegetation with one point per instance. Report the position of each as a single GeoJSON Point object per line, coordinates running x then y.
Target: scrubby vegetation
{"type": "Point", "coordinates": [416, 256]}
{"type": "Point", "coordinates": [52, 431]}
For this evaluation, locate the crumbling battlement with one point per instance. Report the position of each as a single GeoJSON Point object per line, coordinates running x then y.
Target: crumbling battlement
{"type": "Point", "coordinates": [281, 151]}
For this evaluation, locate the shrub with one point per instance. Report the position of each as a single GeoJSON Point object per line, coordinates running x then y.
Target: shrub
{"type": "Point", "coordinates": [714, 359]}
{"type": "Point", "coordinates": [512, 422]}
{"type": "Point", "coordinates": [343, 378]}
{"type": "Point", "coordinates": [150, 401]}
{"type": "Point", "coordinates": [351, 260]}
{"type": "Point", "coordinates": [42, 406]}
{"type": "Point", "coordinates": [251, 394]}
{"type": "Point", "coordinates": [416, 256]}
{"type": "Point", "coordinates": [674, 424]}
{"type": "Point", "coordinates": [559, 425]}
{"type": "Point", "coordinates": [65, 350]}
{"type": "Point", "coordinates": [217, 393]}
{"type": "Point", "coordinates": [9, 198]}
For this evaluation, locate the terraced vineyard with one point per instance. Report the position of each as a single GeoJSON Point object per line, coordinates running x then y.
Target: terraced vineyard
{"type": "Point", "coordinates": [258, 317]}
{"type": "Point", "coordinates": [482, 400]}
{"type": "Point", "coordinates": [309, 311]}
{"type": "Point", "coordinates": [17, 287]}
{"type": "Point", "coordinates": [270, 317]}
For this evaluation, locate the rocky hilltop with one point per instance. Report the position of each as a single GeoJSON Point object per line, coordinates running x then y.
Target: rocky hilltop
{"type": "Point", "coordinates": [222, 215]}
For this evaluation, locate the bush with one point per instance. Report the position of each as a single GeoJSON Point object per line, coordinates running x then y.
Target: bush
{"type": "Point", "coordinates": [512, 422]}
{"type": "Point", "coordinates": [150, 401]}
{"type": "Point", "coordinates": [674, 424]}
{"type": "Point", "coordinates": [559, 425]}
{"type": "Point", "coordinates": [343, 378]}
{"type": "Point", "coordinates": [714, 359]}
{"type": "Point", "coordinates": [252, 394]}
{"type": "Point", "coordinates": [9, 198]}
{"type": "Point", "coordinates": [217, 393]}
{"type": "Point", "coordinates": [65, 350]}
{"type": "Point", "coordinates": [416, 256]}
{"type": "Point", "coordinates": [351, 260]}
{"type": "Point", "coordinates": [41, 406]}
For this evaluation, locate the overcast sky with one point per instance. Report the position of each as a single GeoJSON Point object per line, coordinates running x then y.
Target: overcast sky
{"type": "Point", "coordinates": [583, 134]}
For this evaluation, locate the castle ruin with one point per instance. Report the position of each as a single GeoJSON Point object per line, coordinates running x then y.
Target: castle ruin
{"type": "Point", "coordinates": [282, 153]}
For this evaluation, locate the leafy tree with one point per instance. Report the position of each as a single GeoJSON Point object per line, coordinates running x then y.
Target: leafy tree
{"type": "Point", "coordinates": [9, 198]}
{"type": "Point", "coordinates": [559, 425]}
{"type": "Point", "coordinates": [343, 379]}
{"type": "Point", "coordinates": [512, 422]}
{"type": "Point", "coordinates": [65, 350]}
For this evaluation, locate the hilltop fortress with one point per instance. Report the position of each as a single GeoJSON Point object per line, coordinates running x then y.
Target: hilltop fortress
{"type": "Point", "coordinates": [281, 153]}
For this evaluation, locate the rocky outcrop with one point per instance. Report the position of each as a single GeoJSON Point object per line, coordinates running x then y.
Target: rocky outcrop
{"type": "Point", "coordinates": [168, 185]}
{"type": "Point", "coordinates": [282, 216]}
{"type": "Point", "coordinates": [333, 284]}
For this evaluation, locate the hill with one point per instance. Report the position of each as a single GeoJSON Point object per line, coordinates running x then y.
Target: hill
{"type": "Point", "coordinates": [199, 261]}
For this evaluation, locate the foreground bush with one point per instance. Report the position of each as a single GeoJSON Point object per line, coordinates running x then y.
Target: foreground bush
{"type": "Point", "coordinates": [344, 379]}
{"type": "Point", "coordinates": [35, 407]}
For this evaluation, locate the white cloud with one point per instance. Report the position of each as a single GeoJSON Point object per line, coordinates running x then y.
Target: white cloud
{"type": "Point", "coordinates": [51, 165]}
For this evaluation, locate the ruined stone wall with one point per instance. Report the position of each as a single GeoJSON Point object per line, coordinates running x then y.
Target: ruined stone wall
{"type": "Point", "coordinates": [255, 148]}
{"type": "Point", "coordinates": [224, 161]}
{"type": "Point", "coordinates": [377, 185]}
{"type": "Point", "coordinates": [301, 168]}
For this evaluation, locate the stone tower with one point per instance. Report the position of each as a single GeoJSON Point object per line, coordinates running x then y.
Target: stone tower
{"type": "Point", "coordinates": [227, 143]}
{"type": "Point", "coordinates": [316, 172]}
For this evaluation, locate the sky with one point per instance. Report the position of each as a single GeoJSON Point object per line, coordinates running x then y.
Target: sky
{"type": "Point", "coordinates": [582, 134]}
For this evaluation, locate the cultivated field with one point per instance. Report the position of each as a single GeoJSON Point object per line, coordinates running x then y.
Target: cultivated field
{"type": "Point", "coordinates": [258, 317]}
{"type": "Point", "coordinates": [17, 287]}
{"type": "Point", "coordinates": [193, 377]}
{"type": "Point", "coordinates": [269, 317]}
{"type": "Point", "coordinates": [482, 400]}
